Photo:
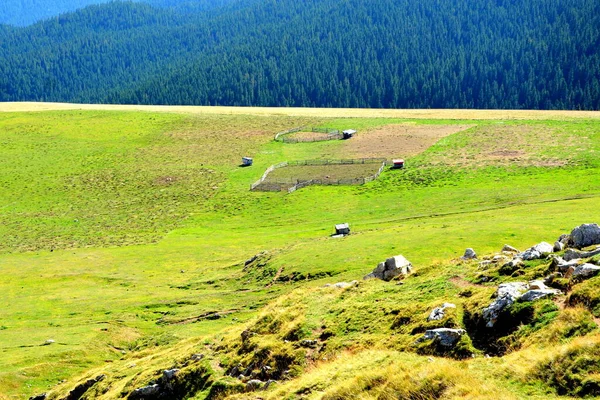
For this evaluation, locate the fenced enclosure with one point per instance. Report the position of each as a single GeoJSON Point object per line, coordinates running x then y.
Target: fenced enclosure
{"type": "Point", "coordinates": [294, 175]}
{"type": "Point", "coordinates": [308, 135]}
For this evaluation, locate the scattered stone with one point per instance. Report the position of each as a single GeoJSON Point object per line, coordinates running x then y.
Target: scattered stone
{"type": "Point", "coordinates": [49, 342]}
{"type": "Point", "coordinates": [439, 313]}
{"type": "Point", "coordinates": [509, 249]}
{"type": "Point", "coordinates": [499, 258]}
{"type": "Point", "coordinates": [485, 264]}
{"type": "Point", "coordinates": [169, 374]}
{"type": "Point", "coordinates": [513, 264]}
{"type": "Point", "coordinates": [150, 390]}
{"type": "Point", "coordinates": [342, 285]}
{"type": "Point", "coordinates": [564, 239]}
{"type": "Point", "coordinates": [536, 252]}
{"type": "Point", "coordinates": [39, 397]}
{"type": "Point", "coordinates": [308, 343]}
{"type": "Point", "coordinates": [506, 295]}
{"type": "Point", "coordinates": [537, 285]}
{"type": "Point", "coordinates": [469, 254]}
{"type": "Point", "coordinates": [444, 336]}
{"type": "Point", "coordinates": [391, 268]}
{"type": "Point", "coordinates": [536, 294]}
{"type": "Point", "coordinates": [197, 357]}
{"type": "Point", "coordinates": [558, 246]}
{"type": "Point", "coordinates": [571, 254]}
{"type": "Point", "coordinates": [585, 271]}
{"type": "Point", "coordinates": [585, 235]}
{"type": "Point", "coordinates": [253, 385]}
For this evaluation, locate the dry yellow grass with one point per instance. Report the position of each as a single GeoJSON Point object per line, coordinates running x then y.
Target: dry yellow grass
{"type": "Point", "coordinates": [314, 112]}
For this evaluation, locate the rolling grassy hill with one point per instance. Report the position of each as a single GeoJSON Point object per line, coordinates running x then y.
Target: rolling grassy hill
{"type": "Point", "coordinates": [125, 235]}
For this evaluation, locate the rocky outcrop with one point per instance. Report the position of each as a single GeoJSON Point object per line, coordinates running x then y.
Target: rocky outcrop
{"type": "Point", "coordinates": [536, 252]}
{"type": "Point", "coordinates": [506, 295]}
{"type": "Point", "coordinates": [444, 336]}
{"type": "Point", "coordinates": [571, 254]}
{"type": "Point", "coordinates": [584, 271]}
{"type": "Point", "coordinates": [439, 313]}
{"type": "Point", "coordinates": [509, 249]}
{"type": "Point", "coordinates": [80, 390]}
{"type": "Point", "coordinates": [42, 396]}
{"type": "Point", "coordinates": [469, 254]}
{"type": "Point", "coordinates": [391, 268]}
{"type": "Point", "coordinates": [537, 294]}
{"type": "Point", "coordinates": [585, 235]}
{"type": "Point", "coordinates": [146, 391]}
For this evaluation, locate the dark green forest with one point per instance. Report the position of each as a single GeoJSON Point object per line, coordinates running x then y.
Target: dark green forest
{"type": "Point", "coordinates": [527, 54]}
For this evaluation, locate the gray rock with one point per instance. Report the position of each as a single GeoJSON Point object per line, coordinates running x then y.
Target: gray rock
{"type": "Point", "coordinates": [308, 343]}
{"type": "Point", "coordinates": [564, 239]}
{"type": "Point", "coordinates": [391, 268]}
{"type": "Point", "coordinates": [253, 385]}
{"type": "Point", "coordinates": [509, 249]}
{"type": "Point", "coordinates": [342, 285]}
{"type": "Point", "coordinates": [469, 254]}
{"type": "Point", "coordinates": [585, 271]}
{"type": "Point", "coordinates": [439, 313]}
{"type": "Point", "coordinates": [444, 336]}
{"type": "Point", "coordinates": [197, 357]}
{"type": "Point", "coordinates": [537, 285]}
{"type": "Point", "coordinates": [514, 263]}
{"type": "Point", "coordinates": [169, 374]}
{"type": "Point", "coordinates": [149, 390]}
{"type": "Point", "coordinates": [585, 235]}
{"type": "Point", "coordinates": [506, 295]}
{"type": "Point", "coordinates": [558, 246]}
{"type": "Point", "coordinates": [562, 265]}
{"type": "Point", "coordinates": [538, 251]}
{"type": "Point", "coordinates": [536, 294]}
{"type": "Point", "coordinates": [485, 264]}
{"type": "Point", "coordinates": [571, 254]}
{"type": "Point", "coordinates": [39, 397]}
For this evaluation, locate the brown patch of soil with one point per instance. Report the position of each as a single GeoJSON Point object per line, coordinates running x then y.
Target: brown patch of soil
{"type": "Point", "coordinates": [308, 136]}
{"type": "Point", "coordinates": [506, 153]}
{"type": "Point", "coordinates": [398, 140]}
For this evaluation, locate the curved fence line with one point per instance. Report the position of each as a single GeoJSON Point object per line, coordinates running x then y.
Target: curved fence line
{"type": "Point", "coordinates": [332, 134]}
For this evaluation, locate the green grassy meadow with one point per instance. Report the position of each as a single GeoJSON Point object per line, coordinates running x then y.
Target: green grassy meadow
{"type": "Point", "coordinates": [123, 233]}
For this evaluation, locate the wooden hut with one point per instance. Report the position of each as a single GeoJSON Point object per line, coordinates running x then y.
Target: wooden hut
{"type": "Point", "coordinates": [247, 161]}
{"type": "Point", "coordinates": [398, 163]}
{"type": "Point", "coordinates": [348, 133]}
{"type": "Point", "coordinates": [342, 229]}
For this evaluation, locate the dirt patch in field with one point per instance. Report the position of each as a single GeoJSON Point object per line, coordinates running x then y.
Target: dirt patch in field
{"type": "Point", "coordinates": [308, 136]}
{"type": "Point", "coordinates": [402, 140]}
{"type": "Point", "coordinates": [523, 145]}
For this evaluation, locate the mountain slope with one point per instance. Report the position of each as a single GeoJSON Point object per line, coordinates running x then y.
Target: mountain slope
{"type": "Point", "coordinates": [26, 12]}
{"type": "Point", "coordinates": [323, 53]}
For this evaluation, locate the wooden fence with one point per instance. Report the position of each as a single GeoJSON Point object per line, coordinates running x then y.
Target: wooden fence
{"type": "Point", "coordinates": [293, 184]}
{"type": "Point", "coordinates": [332, 134]}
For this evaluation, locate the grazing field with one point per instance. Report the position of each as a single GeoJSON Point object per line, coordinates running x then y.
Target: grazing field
{"type": "Point", "coordinates": [127, 244]}
{"type": "Point", "coordinates": [398, 140]}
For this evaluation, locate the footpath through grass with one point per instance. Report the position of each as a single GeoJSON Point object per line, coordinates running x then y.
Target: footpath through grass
{"type": "Point", "coordinates": [125, 231]}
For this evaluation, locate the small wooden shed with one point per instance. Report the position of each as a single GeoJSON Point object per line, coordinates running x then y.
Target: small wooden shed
{"type": "Point", "coordinates": [348, 133]}
{"type": "Point", "coordinates": [398, 163]}
{"type": "Point", "coordinates": [342, 229]}
{"type": "Point", "coordinates": [247, 161]}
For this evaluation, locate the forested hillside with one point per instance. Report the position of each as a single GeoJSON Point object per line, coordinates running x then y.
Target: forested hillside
{"type": "Point", "coordinates": [26, 12]}
{"type": "Point", "coordinates": [387, 53]}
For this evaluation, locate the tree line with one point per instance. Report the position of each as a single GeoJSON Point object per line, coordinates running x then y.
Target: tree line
{"type": "Point", "coordinates": [528, 54]}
